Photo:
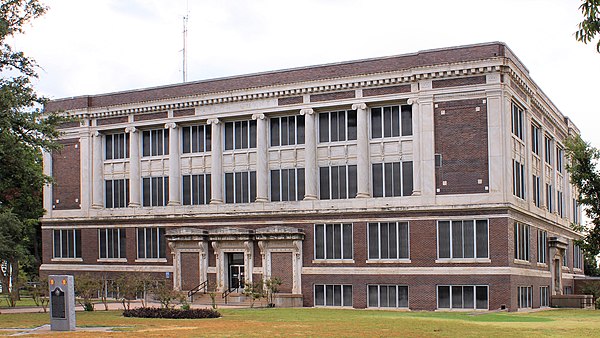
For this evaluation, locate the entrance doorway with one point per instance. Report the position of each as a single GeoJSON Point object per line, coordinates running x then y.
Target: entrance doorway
{"type": "Point", "coordinates": [235, 269]}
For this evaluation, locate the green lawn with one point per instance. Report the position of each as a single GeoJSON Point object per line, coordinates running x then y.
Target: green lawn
{"type": "Point", "coordinates": [336, 322]}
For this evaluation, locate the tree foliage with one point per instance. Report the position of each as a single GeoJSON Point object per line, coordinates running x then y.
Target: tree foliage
{"type": "Point", "coordinates": [582, 166]}
{"type": "Point", "coordinates": [590, 26]}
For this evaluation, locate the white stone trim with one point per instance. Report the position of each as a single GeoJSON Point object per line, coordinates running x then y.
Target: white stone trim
{"type": "Point", "coordinates": [106, 268]}
{"type": "Point", "coordinates": [437, 270]}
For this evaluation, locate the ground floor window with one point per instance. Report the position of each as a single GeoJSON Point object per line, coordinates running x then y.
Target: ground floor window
{"type": "Point", "coordinates": [388, 296]}
{"type": "Point", "coordinates": [524, 295]}
{"type": "Point", "coordinates": [333, 295]}
{"type": "Point", "coordinates": [67, 243]}
{"type": "Point", "coordinates": [151, 243]}
{"type": "Point", "coordinates": [111, 243]}
{"type": "Point", "coordinates": [544, 297]}
{"type": "Point", "coordinates": [462, 297]}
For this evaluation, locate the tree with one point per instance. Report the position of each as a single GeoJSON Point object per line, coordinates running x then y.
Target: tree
{"type": "Point", "coordinates": [24, 132]}
{"type": "Point", "coordinates": [582, 167]}
{"type": "Point", "coordinates": [86, 289]}
{"type": "Point", "coordinates": [590, 26]}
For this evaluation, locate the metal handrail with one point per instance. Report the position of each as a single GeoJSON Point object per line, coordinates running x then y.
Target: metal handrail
{"type": "Point", "coordinates": [198, 288]}
{"type": "Point", "coordinates": [228, 291]}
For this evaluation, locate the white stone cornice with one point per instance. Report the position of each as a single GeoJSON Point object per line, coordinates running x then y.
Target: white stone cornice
{"type": "Point", "coordinates": [171, 125]}
{"type": "Point", "coordinates": [259, 116]}
{"type": "Point", "coordinates": [212, 121]}
{"type": "Point", "coordinates": [307, 111]}
{"type": "Point", "coordinates": [358, 106]}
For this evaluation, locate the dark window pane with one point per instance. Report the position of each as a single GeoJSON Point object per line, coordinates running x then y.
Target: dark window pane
{"type": "Point", "coordinates": [319, 295]}
{"type": "Point", "coordinates": [352, 181]}
{"type": "Point", "coordinates": [468, 297]}
{"type": "Point", "coordinates": [373, 240]}
{"type": "Point", "coordinates": [146, 191]}
{"type": "Point", "coordinates": [443, 297]}
{"type": "Point", "coordinates": [395, 121]}
{"type": "Point", "coordinates": [457, 239]}
{"type": "Point", "coordinates": [469, 239]}
{"type": "Point", "coordinates": [122, 243]}
{"type": "Point", "coordinates": [387, 121]}
{"type": "Point", "coordinates": [208, 134]}
{"type": "Point", "coordinates": [403, 238]}
{"type": "Point", "coordinates": [377, 180]}
{"type": "Point", "coordinates": [402, 296]}
{"type": "Point", "coordinates": [291, 185]}
{"type": "Point", "coordinates": [229, 186]}
{"type": "Point", "coordinates": [444, 239]}
{"type": "Point", "coordinates": [481, 296]}
{"type": "Point", "coordinates": [108, 203]}
{"type": "Point", "coordinates": [324, 183]}
{"type": "Point", "coordinates": [252, 186]}
{"type": "Point", "coordinates": [185, 136]}
{"type": "Point", "coordinates": [335, 183]}
{"type": "Point", "coordinates": [300, 184]}
{"type": "Point", "coordinates": [384, 240]}
{"type": "Point", "coordinates": [228, 135]}
{"type": "Point", "coordinates": [329, 241]}
{"type": "Point", "coordinates": [393, 241]}
{"type": "Point", "coordinates": [78, 243]}
{"type": "Point", "coordinates": [284, 185]}
{"type": "Point", "coordinates": [407, 121]}
{"type": "Point", "coordinates": [457, 297]}
{"type": "Point", "coordinates": [347, 296]}
{"type": "Point", "coordinates": [284, 131]}
{"type": "Point", "coordinates": [324, 127]}
{"type": "Point", "coordinates": [351, 125]}
{"type": "Point", "coordinates": [373, 296]}
{"type": "Point", "coordinates": [141, 240]}
{"type": "Point", "coordinates": [162, 243]}
{"type": "Point", "coordinates": [337, 241]}
{"type": "Point", "coordinates": [329, 295]}
{"type": "Point", "coordinates": [146, 143]}
{"type": "Point", "coordinates": [300, 129]}
{"type": "Point", "coordinates": [108, 147]}
{"type": "Point", "coordinates": [274, 132]}
{"type": "Point", "coordinates": [320, 241]}
{"type": "Point", "coordinates": [186, 185]}
{"type": "Point", "coordinates": [334, 128]}
{"type": "Point", "coordinates": [275, 181]}
{"type": "Point", "coordinates": [376, 123]}
{"type": "Point", "coordinates": [397, 181]}
{"type": "Point", "coordinates": [253, 134]}
{"type": "Point", "coordinates": [388, 180]}
{"type": "Point", "coordinates": [348, 243]}
{"type": "Point", "coordinates": [407, 178]}
{"type": "Point", "coordinates": [482, 239]}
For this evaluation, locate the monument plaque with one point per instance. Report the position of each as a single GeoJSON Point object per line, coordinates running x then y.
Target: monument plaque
{"type": "Point", "coordinates": [62, 302]}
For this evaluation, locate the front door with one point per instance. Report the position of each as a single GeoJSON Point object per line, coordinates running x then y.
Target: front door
{"type": "Point", "coordinates": [235, 262]}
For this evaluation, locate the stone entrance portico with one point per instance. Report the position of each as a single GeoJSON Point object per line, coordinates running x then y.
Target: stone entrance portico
{"type": "Point", "coordinates": [558, 247]}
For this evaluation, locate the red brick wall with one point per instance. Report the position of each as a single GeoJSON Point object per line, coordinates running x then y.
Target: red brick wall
{"type": "Point", "coordinates": [112, 120]}
{"type": "Point", "coordinates": [151, 116]}
{"type": "Point", "coordinates": [289, 100]}
{"type": "Point", "coordinates": [461, 127]}
{"type": "Point", "coordinates": [66, 173]}
{"type": "Point", "coordinates": [386, 90]}
{"type": "Point", "coordinates": [184, 112]}
{"type": "Point", "coordinates": [190, 270]}
{"type": "Point", "coordinates": [281, 267]}
{"type": "Point", "coordinates": [332, 96]}
{"type": "Point", "coordinates": [457, 82]}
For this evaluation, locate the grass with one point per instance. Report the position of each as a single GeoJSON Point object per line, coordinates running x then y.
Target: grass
{"type": "Point", "coordinates": [24, 302]}
{"type": "Point", "coordinates": [334, 323]}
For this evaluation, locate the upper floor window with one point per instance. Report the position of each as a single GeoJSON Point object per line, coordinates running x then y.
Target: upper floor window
{"type": "Point", "coordinates": [537, 191]}
{"type": "Point", "coordinates": [116, 193]}
{"type": "Point", "coordinates": [240, 135]}
{"type": "Point", "coordinates": [333, 241]}
{"type": "Point", "coordinates": [518, 179]}
{"type": "Point", "coordinates": [521, 240]}
{"type": "Point", "coordinates": [111, 243]}
{"type": "Point", "coordinates": [548, 151]}
{"type": "Point", "coordinates": [240, 187]}
{"type": "Point", "coordinates": [116, 146]}
{"type": "Point", "coordinates": [577, 257]}
{"type": "Point", "coordinates": [337, 182]}
{"type": "Point", "coordinates": [542, 246]}
{"type": "Point", "coordinates": [517, 121]}
{"type": "Point", "coordinates": [575, 211]}
{"type": "Point", "coordinates": [391, 121]}
{"type": "Point", "coordinates": [392, 179]}
{"type": "Point", "coordinates": [337, 126]}
{"type": "Point", "coordinates": [565, 260]}
{"type": "Point", "coordinates": [151, 243]}
{"type": "Point", "coordinates": [67, 243]}
{"type": "Point", "coordinates": [155, 142]}
{"type": "Point", "coordinates": [560, 153]}
{"type": "Point", "coordinates": [196, 139]}
{"type": "Point", "coordinates": [196, 189]}
{"type": "Point", "coordinates": [287, 184]}
{"type": "Point", "coordinates": [463, 239]}
{"type": "Point", "coordinates": [560, 203]}
{"type": "Point", "coordinates": [155, 191]}
{"type": "Point", "coordinates": [287, 130]}
{"type": "Point", "coordinates": [536, 138]}
{"type": "Point", "coordinates": [388, 240]}
{"type": "Point", "coordinates": [549, 197]}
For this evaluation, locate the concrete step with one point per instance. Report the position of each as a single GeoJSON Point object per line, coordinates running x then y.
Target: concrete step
{"type": "Point", "coordinates": [233, 299]}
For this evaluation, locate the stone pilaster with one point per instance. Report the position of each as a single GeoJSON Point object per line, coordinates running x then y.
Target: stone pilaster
{"type": "Point", "coordinates": [417, 144]}
{"type": "Point", "coordinates": [134, 166]}
{"type": "Point", "coordinates": [174, 165]}
{"type": "Point", "coordinates": [310, 154]}
{"type": "Point", "coordinates": [262, 164]}
{"type": "Point", "coordinates": [216, 157]}
{"type": "Point", "coordinates": [363, 158]}
{"type": "Point", "coordinates": [47, 167]}
{"type": "Point", "coordinates": [97, 172]}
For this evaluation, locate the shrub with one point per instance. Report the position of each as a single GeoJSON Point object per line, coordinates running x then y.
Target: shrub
{"type": "Point", "coordinates": [153, 312]}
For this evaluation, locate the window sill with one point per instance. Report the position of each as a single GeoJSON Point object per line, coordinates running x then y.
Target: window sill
{"type": "Point", "coordinates": [459, 310]}
{"type": "Point", "coordinates": [151, 260]}
{"type": "Point", "coordinates": [333, 261]}
{"type": "Point", "coordinates": [577, 270]}
{"type": "Point", "coordinates": [67, 260]}
{"type": "Point", "coordinates": [542, 265]}
{"type": "Point", "coordinates": [463, 260]}
{"type": "Point", "coordinates": [521, 262]}
{"type": "Point", "coordinates": [108, 260]}
{"type": "Point", "coordinates": [389, 261]}
{"type": "Point", "coordinates": [117, 161]}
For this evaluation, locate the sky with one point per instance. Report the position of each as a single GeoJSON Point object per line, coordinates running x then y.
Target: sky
{"type": "Point", "coordinates": [90, 47]}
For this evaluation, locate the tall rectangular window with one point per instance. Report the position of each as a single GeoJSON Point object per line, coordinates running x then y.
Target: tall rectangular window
{"type": "Point", "coordinates": [287, 184]}
{"type": "Point", "coordinates": [391, 121]}
{"type": "Point", "coordinates": [151, 243]}
{"type": "Point", "coordinates": [333, 241]}
{"type": "Point", "coordinates": [560, 154]}
{"type": "Point", "coordinates": [542, 246]}
{"type": "Point", "coordinates": [240, 135]}
{"type": "Point", "coordinates": [337, 126]}
{"type": "Point", "coordinates": [560, 203]}
{"type": "Point", "coordinates": [575, 211]}
{"type": "Point", "coordinates": [549, 197]}
{"type": "Point", "coordinates": [111, 243]}
{"type": "Point", "coordinates": [392, 179]}
{"type": "Point", "coordinates": [196, 189]}
{"type": "Point", "coordinates": [287, 130]}
{"type": "Point", "coordinates": [337, 182]}
{"type": "Point", "coordinates": [517, 121]}
{"type": "Point", "coordinates": [394, 296]}
{"type": "Point", "coordinates": [116, 193]}
{"type": "Point", "coordinates": [388, 240]}
{"type": "Point", "coordinates": [116, 146]}
{"type": "Point", "coordinates": [240, 187]}
{"type": "Point", "coordinates": [544, 296]}
{"type": "Point", "coordinates": [518, 179]}
{"type": "Point", "coordinates": [155, 142]}
{"type": "Point", "coordinates": [548, 149]}
{"type": "Point", "coordinates": [67, 243]}
{"type": "Point", "coordinates": [524, 296]}
{"type": "Point", "coordinates": [537, 191]}
{"type": "Point", "coordinates": [155, 191]}
{"type": "Point", "coordinates": [522, 239]}
{"type": "Point", "coordinates": [565, 260]}
{"type": "Point", "coordinates": [195, 139]}
{"type": "Point", "coordinates": [333, 295]}
{"type": "Point", "coordinates": [463, 239]}
{"type": "Point", "coordinates": [536, 139]}
{"type": "Point", "coordinates": [462, 297]}
{"type": "Point", "coordinates": [577, 257]}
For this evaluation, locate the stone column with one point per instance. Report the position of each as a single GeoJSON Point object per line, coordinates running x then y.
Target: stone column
{"type": "Point", "coordinates": [417, 143]}
{"type": "Point", "coordinates": [85, 161]}
{"type": "Point", "coordinates": [134, 166]}
{"type": "Point", "coordinates": [216, 161]}
{"type": "Point", "coordinates": [427, 146]}
{"type": "Point", "coordinates": [310, 154]}
{"type": "Point", "coordinates": [47, 167]}
{"type": "Point", "coordinates": [174, 165]}
{"type": "Point", "coordinates": [97, 159]}
{"type": "Point", "coordinates": [362, 156]}
{"type": "Point", "coordinates": [262, 161]}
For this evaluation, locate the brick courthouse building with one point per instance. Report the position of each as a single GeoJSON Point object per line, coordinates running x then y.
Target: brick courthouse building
{"type": "Point", "coordinates": [433, 180]}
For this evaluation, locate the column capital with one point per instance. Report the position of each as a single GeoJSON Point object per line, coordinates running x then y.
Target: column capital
{"type": "Point", "coordinates": [131, 130]}
{"type": "Point", "coordinates": [307, 111]}
{"type": "Point", "coordinates": [358, 106]}
{"type": "Point", "coordinates": [96, 133]}
{"type": "Point", "coordinates": [171, 125]}
{"type": "Point", "coordinates": [412, 100]}
{"type": "Point", "coordinates": [259, 116]}
{"type": "Point", "coordinates": [213, 121]}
